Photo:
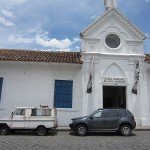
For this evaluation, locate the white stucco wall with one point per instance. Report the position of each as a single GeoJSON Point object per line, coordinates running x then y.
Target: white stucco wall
{"type": "Point", "coordinates": [118, 67]}
{"type": "Point", "coordinates": [32, 84]}
{"type": "Point", "coordinates": [146, 92]}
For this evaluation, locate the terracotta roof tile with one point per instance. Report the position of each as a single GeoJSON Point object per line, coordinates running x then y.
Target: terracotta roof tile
{"type": "Point", "coordinates": [147, 58]}
{"type": "Point", "coordinates": [40, 56]}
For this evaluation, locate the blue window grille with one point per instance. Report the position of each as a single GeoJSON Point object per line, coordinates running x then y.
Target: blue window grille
{"type": "Point", "coordinates": [63, 94]}
{"type": "Point", "coordinates": [1, 84]}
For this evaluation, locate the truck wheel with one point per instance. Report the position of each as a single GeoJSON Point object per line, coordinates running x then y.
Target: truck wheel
{"type": "Point", "coordinates": [81, 130]}
{"type": "Point", "coordinates": [125, 130]}
{"type": "Point", "coordinates": [4, 130]}
{"type": "Point", "coordinates": [41, 130]}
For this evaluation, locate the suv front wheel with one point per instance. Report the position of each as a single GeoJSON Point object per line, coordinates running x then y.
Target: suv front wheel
{"type": "Point", "coordinates": [125, 130]}
{"type": "Point", "coordinates": [81, 130]}
{"type": "Point", "coordinates": [4, 130]}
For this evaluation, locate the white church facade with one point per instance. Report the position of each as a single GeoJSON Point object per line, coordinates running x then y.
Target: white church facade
{"type": "Point", "coordinates": [110, 71]}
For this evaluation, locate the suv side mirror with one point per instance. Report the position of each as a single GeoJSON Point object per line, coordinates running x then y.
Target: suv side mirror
{"type": "Point", "coordinates": [91, 117]}
{"type": "Point", "coordinates": [12, 114]}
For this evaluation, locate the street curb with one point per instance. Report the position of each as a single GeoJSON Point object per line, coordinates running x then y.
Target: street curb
{"type": "Point", "coordinates": [61, 129]}
{"type": "Point", "coordinates": [65, 129]}
{"type": "Point", "coordinates": [141, 129]}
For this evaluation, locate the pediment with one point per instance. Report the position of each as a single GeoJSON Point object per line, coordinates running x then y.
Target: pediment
{"type": "Point", "coordinates": [113, 14]}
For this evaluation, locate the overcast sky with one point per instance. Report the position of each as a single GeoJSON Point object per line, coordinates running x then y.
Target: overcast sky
{"type": "Point", "coordinates": [56, 24]}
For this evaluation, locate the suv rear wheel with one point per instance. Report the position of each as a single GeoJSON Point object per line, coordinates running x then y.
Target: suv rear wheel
{"type": "Point", "coordinates": [125, 130]}
{"type": "Point", "coordinates": [81, 130]}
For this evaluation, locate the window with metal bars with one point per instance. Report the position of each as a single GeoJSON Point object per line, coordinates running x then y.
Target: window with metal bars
{"type": "Point", "coordinates": [63, 94]}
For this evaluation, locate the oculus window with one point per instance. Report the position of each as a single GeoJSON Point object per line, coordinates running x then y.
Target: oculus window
{"type": "Point", "coordinates": [112, 41]}
{"type": "Point", "coordinates": [63, 94]}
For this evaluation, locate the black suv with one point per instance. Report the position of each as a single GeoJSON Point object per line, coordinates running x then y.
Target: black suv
{"type": "Point", "coordinates": [120, 120]}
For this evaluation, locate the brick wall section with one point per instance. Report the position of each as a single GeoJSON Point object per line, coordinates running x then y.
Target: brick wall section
{"type": "Point", "coordinates": [40, 56]}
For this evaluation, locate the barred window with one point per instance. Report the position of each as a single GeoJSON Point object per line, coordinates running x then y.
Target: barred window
{"type": "Point", "coordinates": [63, 94]}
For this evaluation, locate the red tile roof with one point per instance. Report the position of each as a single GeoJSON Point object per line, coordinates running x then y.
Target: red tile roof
{"type": "Point", "coordinates": [147, 58]}
{"type": "Point", "coordinates": [40, 56]}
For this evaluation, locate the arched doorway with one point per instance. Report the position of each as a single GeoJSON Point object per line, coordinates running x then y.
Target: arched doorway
{"type": "Point", "coordinates": [114, 87]}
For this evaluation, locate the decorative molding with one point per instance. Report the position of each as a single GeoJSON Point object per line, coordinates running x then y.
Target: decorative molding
{"type": "Point", "coordinates": [87, 59]}
{"type": "Point", "coordinates": [135, 46]}
{"type": "Point", "coordinates": [116, 68]}
{"type": "Point", "coordinates": [131, 61]}
{"type": "Point", "coordinates": [112, 55]}
{"type": "Point", "coordinates": [112, 22]}
{"type": "Point", "coordinates": [92, 48]}
{"type": "Point", "coordinates": [117, 16]}
{"type": "Point", "coordinates": [92, 44]}
{"type": "Point", "coordinates": [92, 41]}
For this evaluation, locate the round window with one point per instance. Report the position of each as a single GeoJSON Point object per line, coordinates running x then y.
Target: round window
{"type": "Point", "coordinates": [112, 41]}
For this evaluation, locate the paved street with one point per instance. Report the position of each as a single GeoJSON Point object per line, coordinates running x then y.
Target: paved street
{"type": "Point", "coordinates": [140, 140]}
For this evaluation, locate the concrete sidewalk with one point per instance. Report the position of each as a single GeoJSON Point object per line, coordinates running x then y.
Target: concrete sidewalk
{"type": "Point", "coordinates": [142, 128]}
{"type": "Point", "coordinates": [138, 128]}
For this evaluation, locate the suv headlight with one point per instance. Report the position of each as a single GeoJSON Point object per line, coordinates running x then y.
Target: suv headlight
{"type": "Point", "coordinates": [71, 121]}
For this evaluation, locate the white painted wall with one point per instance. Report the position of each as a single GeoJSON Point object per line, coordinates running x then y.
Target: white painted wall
{"type": "Point", "coordinates": [32, 84]}
{"type": "Point", "coordinates": [118, 67]}
{"type": "Point", "coordinates": [146, 92]}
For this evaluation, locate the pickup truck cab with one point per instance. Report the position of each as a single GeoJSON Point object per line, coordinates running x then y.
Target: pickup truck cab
{"type": "Point", "coordinates": [39, 119]}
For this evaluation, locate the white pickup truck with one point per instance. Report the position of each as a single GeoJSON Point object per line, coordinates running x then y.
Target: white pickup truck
{"type": "Point", "coordinates": [39, 119]}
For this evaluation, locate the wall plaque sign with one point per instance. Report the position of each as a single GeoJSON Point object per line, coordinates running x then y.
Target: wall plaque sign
{"type": "Point", "coordinates": [114, 81]}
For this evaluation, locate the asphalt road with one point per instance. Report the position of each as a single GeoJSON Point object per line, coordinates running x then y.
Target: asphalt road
{"type": "Point", "coordinates": [139, 140]}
